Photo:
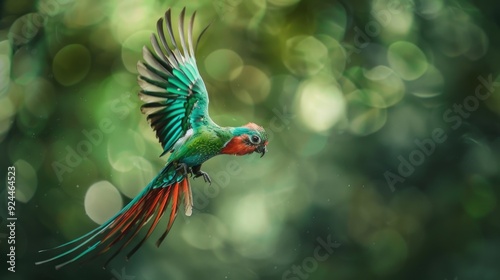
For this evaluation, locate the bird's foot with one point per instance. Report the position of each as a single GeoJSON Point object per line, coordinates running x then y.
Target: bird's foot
{"type": "Point", "coordinates": [183, 168]}
{"type": "Point", "coordinates": [199, 173]}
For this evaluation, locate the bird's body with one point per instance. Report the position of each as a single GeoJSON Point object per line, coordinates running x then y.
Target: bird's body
{"type": "Point", "coordinates": [206, 143]}
{"type": "Point", "coordinates": [176, 105]}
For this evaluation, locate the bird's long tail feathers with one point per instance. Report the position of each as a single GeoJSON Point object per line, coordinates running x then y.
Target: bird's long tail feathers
{"type": "Point", "coordinates": [150, 204]}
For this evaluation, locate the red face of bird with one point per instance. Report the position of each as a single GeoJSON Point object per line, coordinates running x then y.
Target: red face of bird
{"type": "Point", "coordinates": [246, 140]}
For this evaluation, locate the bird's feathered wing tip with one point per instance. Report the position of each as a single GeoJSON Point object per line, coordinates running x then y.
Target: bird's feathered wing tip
{"type": "Point", "coordinates": [170, 81]}
{"type": "Point", "coordinates": [124, 226]}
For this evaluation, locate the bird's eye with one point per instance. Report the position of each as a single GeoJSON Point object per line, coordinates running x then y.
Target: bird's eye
{"type": "Point", "coordinates": [255, 139]}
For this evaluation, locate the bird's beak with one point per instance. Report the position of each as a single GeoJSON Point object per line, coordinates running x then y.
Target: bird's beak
{"type": "Point", "coordinates": [262, 150]}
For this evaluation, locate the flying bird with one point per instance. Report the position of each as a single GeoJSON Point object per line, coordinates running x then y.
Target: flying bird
{"type": "Point", "coordinates": [176, 105]}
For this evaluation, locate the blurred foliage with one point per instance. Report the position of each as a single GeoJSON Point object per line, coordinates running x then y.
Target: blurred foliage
{"type": "Point", "coordinates": [384, 125]}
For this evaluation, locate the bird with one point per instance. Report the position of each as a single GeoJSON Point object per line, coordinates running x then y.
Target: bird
{"type": "Point", "coordinates": [176, 107]}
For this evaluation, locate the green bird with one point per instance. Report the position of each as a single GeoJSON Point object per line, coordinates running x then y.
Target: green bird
{"type": "Point", "coordinates": [176, 106]}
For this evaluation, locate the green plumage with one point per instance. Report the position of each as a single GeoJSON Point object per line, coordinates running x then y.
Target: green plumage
{"type": "Point", "coordinates": [207, 142]}
{"type": "Point", "coordinates": [175, 95]}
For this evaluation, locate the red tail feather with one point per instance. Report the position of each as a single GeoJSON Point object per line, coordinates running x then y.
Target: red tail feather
{"type": "Point", "coordinates": [148, 205]}
{"type": "Point", "coordinates": [154, 203]}
{"type": "Point", "coordinates": [173, 213]}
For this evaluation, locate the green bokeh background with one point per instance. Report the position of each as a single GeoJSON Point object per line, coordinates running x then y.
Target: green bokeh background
{"type": "Point", "coordinates": [384, 137]}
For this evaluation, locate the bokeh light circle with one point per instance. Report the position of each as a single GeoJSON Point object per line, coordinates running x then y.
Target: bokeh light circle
{"type": "Point", "coordinates": [321, 104]}
{"type": "Point", "coordinates": [223, 65]}
{"type": "Point", "coordinates": [71, 64]}
{"type": "Point", "coordinates": [102, 201]}
{"type": "Point", "coordinates": [407, 60]}
{"type": "Point", "coordinates": [305, 55]}
{"type": "Point", "coordinates": [252, 86]}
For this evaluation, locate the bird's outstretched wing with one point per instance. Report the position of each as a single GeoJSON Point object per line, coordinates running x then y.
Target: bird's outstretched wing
{"type": "Point", "coordinates": [174, 93]}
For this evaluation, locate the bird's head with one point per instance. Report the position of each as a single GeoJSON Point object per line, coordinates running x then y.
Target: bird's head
{"type": "Point", "coordinates": [246, 140]}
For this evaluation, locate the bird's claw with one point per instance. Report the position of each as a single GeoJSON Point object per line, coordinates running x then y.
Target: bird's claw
{"type": "Point", "coordinates": [203, 174]}
{"type": "Point", "coordinates": [183, 168]}
{"type": "Point", "coordinates": [195, 172]}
